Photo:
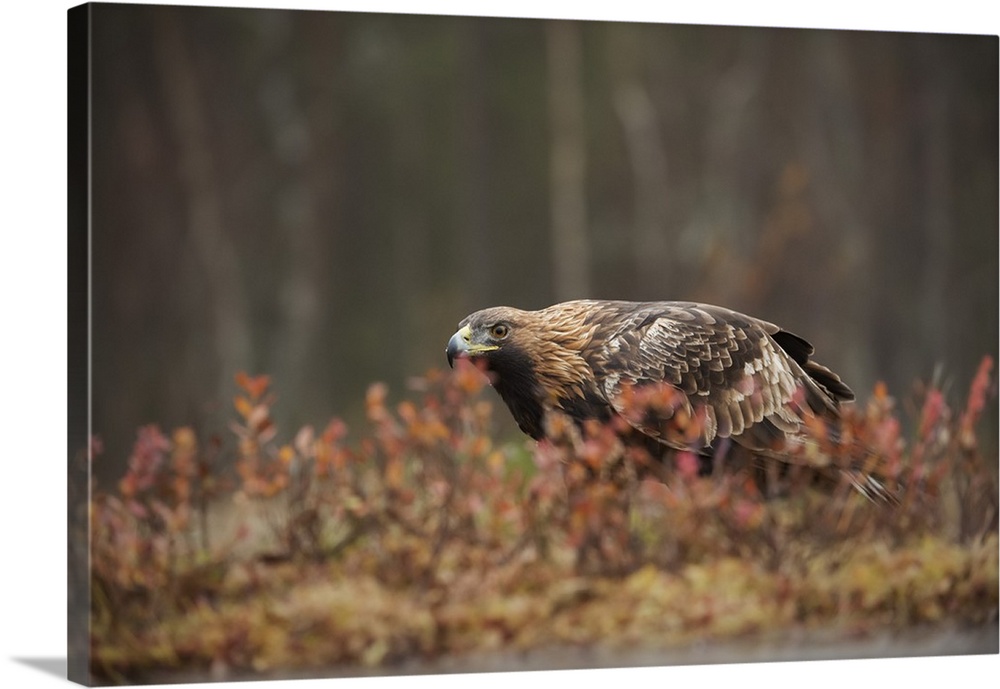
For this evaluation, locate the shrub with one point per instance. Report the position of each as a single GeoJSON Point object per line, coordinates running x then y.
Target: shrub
{"type": "Point", "coordinates": [421, 535]}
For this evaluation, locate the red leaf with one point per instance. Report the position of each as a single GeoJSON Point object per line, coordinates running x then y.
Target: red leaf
{"type": "Point", "coordinates": [687, 464]}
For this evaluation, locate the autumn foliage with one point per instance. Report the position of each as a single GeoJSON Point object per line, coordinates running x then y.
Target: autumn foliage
{"type": "Point", "coordinates": [250, 551]}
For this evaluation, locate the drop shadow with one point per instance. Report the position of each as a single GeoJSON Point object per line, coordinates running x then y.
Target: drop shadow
{"type": "Point", "coordinates": [57, 667]}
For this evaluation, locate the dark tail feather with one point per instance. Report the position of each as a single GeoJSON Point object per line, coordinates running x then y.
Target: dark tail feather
{"type": "Point", "coordinates": [800, 350]}
{"type": "Point", "coordinates": [829, 380]}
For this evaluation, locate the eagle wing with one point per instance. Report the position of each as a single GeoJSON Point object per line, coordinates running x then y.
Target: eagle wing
{"type": "Point", "coordinates": [730, 369]}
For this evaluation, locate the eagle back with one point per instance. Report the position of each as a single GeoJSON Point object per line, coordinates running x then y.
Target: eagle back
{"type": "Point", "coordinates": [729, 368]}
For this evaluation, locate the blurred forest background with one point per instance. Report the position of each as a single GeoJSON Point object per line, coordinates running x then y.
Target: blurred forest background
{"type": "Point", "coordinates": [322, 196]}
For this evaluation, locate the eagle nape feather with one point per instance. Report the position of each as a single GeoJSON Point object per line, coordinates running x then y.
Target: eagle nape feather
{"type": "Point", "coordinates": [747, 379]}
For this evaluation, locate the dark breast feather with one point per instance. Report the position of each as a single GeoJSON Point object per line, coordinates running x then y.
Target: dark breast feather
{"type": "Point", "coordinates": [519, 389]}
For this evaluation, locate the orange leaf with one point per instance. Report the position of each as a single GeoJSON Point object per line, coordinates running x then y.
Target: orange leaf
{"type": "Point", "coordinates": [394, 472]}
{"type": "Point", "coordinates": [255, 386]}
{"type": "Point", "coordinates": [881, 391]}
{"type": "Point", "coordinates": [243, 406]}
{"type": "Point", "coordinates": [184, 439]}
{"type": "Point", "coordinates": [408, 412]}
{"type": "Point", "coordinates": [495, 461]}
{"type": "Point", "coordinates": [334, 431]}
{"type": "Point", "coordinates": [258, 386]}
{"type": "Point", "coordinates": [241, 379]}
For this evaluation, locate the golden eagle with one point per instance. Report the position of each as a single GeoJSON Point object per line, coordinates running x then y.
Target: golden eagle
{"type": "Point", "coordinates": [744, 378]}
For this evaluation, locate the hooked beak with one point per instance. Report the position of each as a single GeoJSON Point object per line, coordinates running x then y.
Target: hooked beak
{"type": "Point", "coordinates": [461, 346]}
{"type": "Point", "coordinates": [458, 346]}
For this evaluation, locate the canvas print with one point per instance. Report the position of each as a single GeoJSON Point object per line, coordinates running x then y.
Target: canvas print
{"type": "Point", "coordinates": [409, 344]}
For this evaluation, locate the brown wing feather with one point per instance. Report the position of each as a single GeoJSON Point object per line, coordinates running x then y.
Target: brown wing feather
{"type": "Point", "coordinates": [729, 365]}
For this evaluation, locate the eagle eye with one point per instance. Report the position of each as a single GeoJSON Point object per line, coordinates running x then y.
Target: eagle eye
{"type": "Point", "coordinates": [498, 331]}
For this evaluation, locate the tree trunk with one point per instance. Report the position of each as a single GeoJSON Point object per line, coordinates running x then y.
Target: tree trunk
{"type": "Point", "coordinates": [205, 225]}
{"type": "Point", "coordinates": [570, 246]}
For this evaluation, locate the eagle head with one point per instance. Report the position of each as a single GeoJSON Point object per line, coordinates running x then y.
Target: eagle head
{"type": "Point", "coordinates": [487, 336]}
{"type": "Point", "coordinates": [534, 359]}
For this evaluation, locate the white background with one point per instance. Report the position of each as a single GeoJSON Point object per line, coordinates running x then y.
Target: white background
{"type": "Point", "coordinates": [33, 331]}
